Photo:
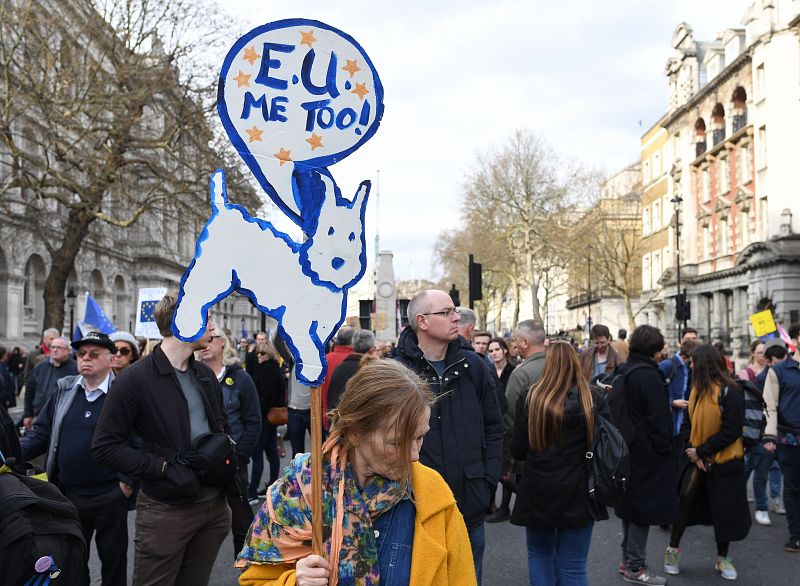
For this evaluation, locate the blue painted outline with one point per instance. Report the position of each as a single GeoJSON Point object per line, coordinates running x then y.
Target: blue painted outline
{"type": "Point", "coordinates": [304, 220]}
{"type": "Point", "coordinates": [299, 249]}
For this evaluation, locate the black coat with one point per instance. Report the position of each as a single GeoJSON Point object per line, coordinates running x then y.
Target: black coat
{"type": "Point", "coordinates": [652, 495]}
{"type": "Point", "coordinates": [270, 385]}
{"type": "Point", "coordinates": [553, 491]}
{"type": "Point", "coordinates": [724, 501]}
{"type": "Point", "coordinates": [464, 443]}
{"type": "Point", "coordinates": [341, 374]}
{"type": "Point", "coordinates": [146, 400]}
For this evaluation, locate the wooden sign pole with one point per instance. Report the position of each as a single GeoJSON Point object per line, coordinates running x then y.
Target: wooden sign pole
{"type": "Point", "coordinates": [316, 471]}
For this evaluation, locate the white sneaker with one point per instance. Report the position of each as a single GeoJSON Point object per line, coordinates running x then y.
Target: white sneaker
{"type": "Point", "coordinates": [762, 518]}
{"type": "Point", "coordinates": [776, 506]}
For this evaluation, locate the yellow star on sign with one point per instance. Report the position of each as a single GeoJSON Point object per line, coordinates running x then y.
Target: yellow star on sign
{"type": "Point", "coordinates": [250, 54]}
{"type": "Point", "coordinates": [283, 156]}
{"type": "Point", "coordinates": [307, 38]}
{"type": "Point", "coordinates": [315, 141]}
{"type": "Point", "coordinates": [254, 134]}
{"type": "Point", "coordinates": [243, 79]}
{"type": "Point", "coordinates": [360, 90]}
{"type": "Point", "coordinates": [351, 67]}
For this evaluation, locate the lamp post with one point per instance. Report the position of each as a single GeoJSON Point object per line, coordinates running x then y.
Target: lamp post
{"type": "Point", "coordinates": [589, 290]}
{"type": "Point", "coordinates": [679, 302]}
{"type": "Point", "coordinates": [71, 296]}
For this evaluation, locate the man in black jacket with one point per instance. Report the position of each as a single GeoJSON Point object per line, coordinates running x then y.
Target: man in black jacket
{"type": "Point", "coordinates": [167, 399]}
{"type": "Point", "coordinates": [465, 441]}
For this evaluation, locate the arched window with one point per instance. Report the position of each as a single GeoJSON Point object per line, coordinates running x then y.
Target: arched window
{"type": "Point", "coordinates": [32, 291]}
{"type": "Point", "coordinates": [718, 123]}
{"type": "Point", "coordinates": [700, 137]}
{"type": "Point", "coordinates": [739, 100]}
{"type": "Point", "coordinates": [120, 316]}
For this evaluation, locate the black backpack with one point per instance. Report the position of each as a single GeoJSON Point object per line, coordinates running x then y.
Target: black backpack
{"type": "Point", "coordinates": [40, 533]}
{"type": "Point", "coordinates": [613, 383]}
{"type": "Point", "coordinates": [609, 464]}
{"type": "Point", "coordinates": [755, 414]}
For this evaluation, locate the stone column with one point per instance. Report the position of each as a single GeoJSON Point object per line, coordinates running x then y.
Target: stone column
{"type": "Point", "coordinates": [717, 317]}
{"type": "Point", "coordinates": [385, 323]}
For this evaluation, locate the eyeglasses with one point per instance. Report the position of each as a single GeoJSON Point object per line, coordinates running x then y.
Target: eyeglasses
{"type": "Point", "coordinates": [91, 354]}
{"type": "Point", "coordinates": [123, 350]}
{"type": "Point", "coordinates": [445, 312]}
{"type": "Point", "coordinates": [262, 353]}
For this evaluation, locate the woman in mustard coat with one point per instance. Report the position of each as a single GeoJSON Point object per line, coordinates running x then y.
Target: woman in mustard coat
{"type": "Point", "coordinates": [387, 519]}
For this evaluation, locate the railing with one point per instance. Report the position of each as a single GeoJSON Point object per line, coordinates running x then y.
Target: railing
{"type": "Point", "coordinates": [582, 299]}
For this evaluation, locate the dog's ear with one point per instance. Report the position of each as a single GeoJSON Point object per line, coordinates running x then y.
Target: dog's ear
{"type": "Point", "coordinates": [219, 193]}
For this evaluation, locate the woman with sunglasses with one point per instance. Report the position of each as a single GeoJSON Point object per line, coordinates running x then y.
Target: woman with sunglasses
{"type": "Point", "coordinates": [127, 351]}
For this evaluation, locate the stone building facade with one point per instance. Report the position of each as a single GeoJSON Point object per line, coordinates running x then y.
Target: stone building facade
{"type": "Point", "coordinates": [113, 262]}
{"type": "Point", "coordinates": [729, 135]}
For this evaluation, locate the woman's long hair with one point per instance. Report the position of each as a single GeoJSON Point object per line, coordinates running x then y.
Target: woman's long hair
{"type": "Point", "coordinates": [562, 371]}
{"type": "Point", "coordinates": [709, 369]}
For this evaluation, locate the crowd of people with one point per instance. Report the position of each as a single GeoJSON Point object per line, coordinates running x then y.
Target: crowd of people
{"type": "Point", "coordinates": [425, 441]}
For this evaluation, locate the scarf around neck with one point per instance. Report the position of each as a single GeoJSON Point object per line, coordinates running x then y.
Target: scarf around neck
{"type": "Point", "coordinates": [281, 530]}
{"type": "Point", "coordinates": [705, 415]}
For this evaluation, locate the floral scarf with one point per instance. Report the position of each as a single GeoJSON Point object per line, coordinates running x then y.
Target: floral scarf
{"type": "Point", "coordinates": [281, 530]}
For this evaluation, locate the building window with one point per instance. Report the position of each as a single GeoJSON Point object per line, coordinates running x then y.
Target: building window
{"type": "Point", "coordinates": [739, 100]}
{"type": "Point", "coordinates": [646, 220]}
{"type": "Point", "coordinates": [706, 242]}
{"type": "Point", "coordinates": [646, 280]}
{"type": "Point", "coordinates": [743, 164]}
{"type": "Point", "coordinates": [656, 215]}
{"type": "Point", "coordinates": [646, 172]}
{"type": "Point", "coordinates": [761, 82]}
{"type": "Point", "coordinates": [744, 228]}
{"type": "Point", "coordinates": [763, 218]}
{"type": "Point", "coordinates": [723, 183]}
{"type": "Point", "coordinates": [706, 185]}
{"type": "Point", "coordinates": [700, 137]}
{"type": "Point", "coordinates": [718, 123]}
{"type": "Point", "coordinates": [657, 269]}
{"type": "Point", "coordinates": [657, 164]}
{"type": "Point", "coordinates": [724, 244]}
{"type": "Point", "coordinates": [762, 147]}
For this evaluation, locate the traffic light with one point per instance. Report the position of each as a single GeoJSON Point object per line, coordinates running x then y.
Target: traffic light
{"type": "Point", "coordinates": [683, 307]}
{"type": "Point", "coordinates": [475, 282]}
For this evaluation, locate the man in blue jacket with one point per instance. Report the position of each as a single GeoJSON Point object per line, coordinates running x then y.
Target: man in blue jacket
{"type": "Point", "coordinates": [465, 441]}
{"type": "Point", "coordinates": [678, 375]}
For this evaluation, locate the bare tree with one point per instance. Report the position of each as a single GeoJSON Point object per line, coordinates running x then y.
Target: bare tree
{"type": "Point", "coordinates": [103, 118]}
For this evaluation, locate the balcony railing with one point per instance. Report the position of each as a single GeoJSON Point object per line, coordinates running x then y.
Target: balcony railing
{"type": "Point", "coordinates": [582, 299]}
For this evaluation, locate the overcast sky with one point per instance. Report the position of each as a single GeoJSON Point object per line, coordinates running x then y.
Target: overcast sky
{"type": "Point", "coordinates": [461, 76]}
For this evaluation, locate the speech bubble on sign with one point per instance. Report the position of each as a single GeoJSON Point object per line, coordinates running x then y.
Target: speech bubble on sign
{"type": "Point", "coordinates": [297, 95]}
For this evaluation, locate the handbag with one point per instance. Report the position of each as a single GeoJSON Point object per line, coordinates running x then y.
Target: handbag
{"type": "Point", "coordinates": [278, 416]}
{"type": "Point", "coordinates": [213, 458]}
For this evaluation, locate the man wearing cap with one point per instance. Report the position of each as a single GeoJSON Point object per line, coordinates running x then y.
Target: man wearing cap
{"type": "Point", "coordinates": [64, 429]}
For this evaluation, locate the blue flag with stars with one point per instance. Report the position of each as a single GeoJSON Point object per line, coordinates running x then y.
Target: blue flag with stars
{"type": "Point", "coordinates": [95, 316]}
{"type": "Point", "coordinates": [146, 311]}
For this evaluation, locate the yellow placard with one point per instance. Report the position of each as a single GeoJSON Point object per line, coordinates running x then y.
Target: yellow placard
{"type": "Point", "coordinates": [763, 323]}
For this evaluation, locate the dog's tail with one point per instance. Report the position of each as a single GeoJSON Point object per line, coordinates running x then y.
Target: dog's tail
{"type": "Point", "coordinates": [219, 193]}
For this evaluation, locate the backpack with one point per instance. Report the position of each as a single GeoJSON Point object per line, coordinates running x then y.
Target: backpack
{"type": "Point", "coordinates": [41, 536]}
{"type": "Point", "coordinates": [674, 363]}
{"type": "Point", "coordinates": [755, 415]}
{"type": "Point", "coordinates": [613, 383]}
{"type": "Point", "coordinates": [609, 464]}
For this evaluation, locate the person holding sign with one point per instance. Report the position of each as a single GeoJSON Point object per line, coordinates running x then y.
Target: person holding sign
{"type": "Point", "coordinates": [387, 518]}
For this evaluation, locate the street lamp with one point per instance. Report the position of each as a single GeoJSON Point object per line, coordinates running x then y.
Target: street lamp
{"type": "Point", "coordinates": [71, 296]}
{"type": "Point", "coordinates": [589, 289]}
{"type": "Point", "coordinates": [680, 302]}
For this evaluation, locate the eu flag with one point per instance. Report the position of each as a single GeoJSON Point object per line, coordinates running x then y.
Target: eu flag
{"type": "Point", "coordinates": [96, 317]}
{"type": "Point", "coordinates": [147, 311]}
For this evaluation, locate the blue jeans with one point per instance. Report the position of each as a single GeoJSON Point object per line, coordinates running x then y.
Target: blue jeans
{"type": "Point", "coordinates": [477, 541]}
{"type": "Point", "coordinates": [267, 444]}
{"type": "Point", "coordinates": [763, 464]}
{"type": "Point", "coordinates": [789, 458]}
{"type": "Point", "coordinates": [558, 556]}
{"type": "Point", "coordinates": [299, 422]}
